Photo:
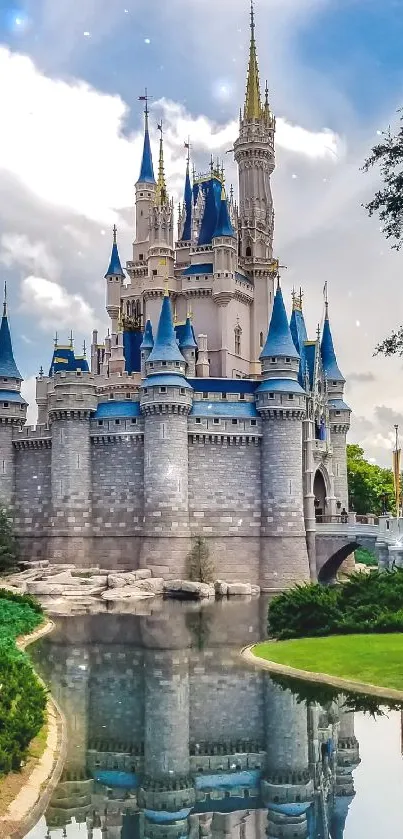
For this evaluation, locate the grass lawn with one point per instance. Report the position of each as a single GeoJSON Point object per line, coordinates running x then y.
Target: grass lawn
{"type": "Point", "coordinates": [374, 659]}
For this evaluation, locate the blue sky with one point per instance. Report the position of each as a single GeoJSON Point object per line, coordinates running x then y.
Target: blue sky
{"type": "Point", "coordinates": [71, 136]}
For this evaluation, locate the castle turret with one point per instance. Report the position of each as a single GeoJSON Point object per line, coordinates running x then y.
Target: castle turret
{"type": "Point", "coordinates": [146, 346]}
{"type": "Point", "coordinates": [280, 401]}
{"type": "Point", "coordinates": [300, 337]}
{"type": "Point", "coordinates": [161, 256]}
{"type": "Point", "coordinates": [165, 402]}
{"type": "Point", "coordinates": [13, 408]}
{"type": "Point", "coordinates": [71, 402]}
{"type": "Point", "coordinates": [114, 281]}
{"type": "Point", "coordinates": [254, 153]}
{"type": "Point", "coordinates": [339, 412]}
{"type": "Point", "coordinates": [188, 348]}
{"type": "Point", "coordinates": [145, 195]}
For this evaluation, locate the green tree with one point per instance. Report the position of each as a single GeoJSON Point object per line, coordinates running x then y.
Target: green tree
{"type": "Point", "coordinates": [200, 567]}
{"type": "Point", "coordinates": [388, 203]}
{"type": "Point", "coordinates": [8, 543]}
{"type": "Point", "coordinates": [370, 487]}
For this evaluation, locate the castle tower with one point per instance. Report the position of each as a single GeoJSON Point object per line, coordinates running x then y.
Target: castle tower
{"type": "Point", "coordinates": [146, 346]}
{"type": "Point", "coordinates": [339, 413]}
{"type": "Point", "coordinates": [72, 401]}
{"type": "Point", "coordinates": [300, 337]}
{"type": "Point", "coordinates": [287, 788]}
{"type": "Point", "coordinates": [225, 258]}
{"type": "Point", "coordinates": [165, 402]}
{"type": "Point", "coordinates": [183, 244]}
{"type": "Point", "coordinates": [254, 154]}
{"type": "Point", "coordinates": [280, 401]}
{"type": "Point", "coordinates": [145, 195]}
{"type": "Point", "coordinates": [161, 256]}
{"type": "Point", "coordinates": [13, 408]}
{"type": "Point", "coordinates": [188, 348]}
{"type": "Point", "coordinates": [114, 285]}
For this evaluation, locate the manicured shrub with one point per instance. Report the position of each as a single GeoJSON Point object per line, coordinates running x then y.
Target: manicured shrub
{"type": "Point", "coordinates": [22, 697]}
{"type": "Point", "coordinates": [364, 603]}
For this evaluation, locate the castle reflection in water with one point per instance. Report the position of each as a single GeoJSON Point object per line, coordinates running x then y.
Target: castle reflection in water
{"type": "Point", "coordinates": [171, 736]}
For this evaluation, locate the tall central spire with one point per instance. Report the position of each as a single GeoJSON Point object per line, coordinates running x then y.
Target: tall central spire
{"type": "Point", "coordinates": [253, 103]}
{"type": "Point", "coordinates": [161, 195]}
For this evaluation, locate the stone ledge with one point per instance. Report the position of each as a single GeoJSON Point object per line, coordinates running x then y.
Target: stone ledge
{"type": "Point", "coordinates": [34, 796]}
{"type": "Point", "coordinates": [320, 678]}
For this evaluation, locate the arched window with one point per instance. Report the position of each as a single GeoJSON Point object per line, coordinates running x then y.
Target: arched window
{"type": "Point", "coordinates": [138, 310]}
{"type": "Point", "coordinates": [261, 340]}
{"type": "Point", "coordinates": [133, 309]}
{"type": "Point", "coordinates": [128, 308]}
{"type": "Point", "coordinates": [248, 251]}
{"type": "Point", "coordinates": [237, 335]}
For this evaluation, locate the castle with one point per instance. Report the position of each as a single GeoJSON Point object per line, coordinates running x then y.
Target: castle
{"type": "Point", "coordinates": [204, 412]}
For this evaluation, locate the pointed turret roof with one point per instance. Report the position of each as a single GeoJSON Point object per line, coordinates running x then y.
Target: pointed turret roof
{"type": "Point", "coordinates": [329, 361]}
{"type": "Point", "coordinates": [279, 341]}
{"type": "Point", "coordinates": [253, 102]}
{"type": "Point", "coordinates": [115, 268]}
{"type": "Point", "coordinates": [165, 345]}
{"type": "Point", "coordinates": [148, 338]}
{"type": "Point", "coordinates": [161, 195]}
{"type": "Point", "coordinates": [224, 226]}
{"type": "Point", "coordinates": [147, 169]}
{"type": "Point", "coordinates": [8, 367]}
{"type": "Point", "coordinates": [188, 340]}
{"type": "Point", "coordinates": [187, 204]}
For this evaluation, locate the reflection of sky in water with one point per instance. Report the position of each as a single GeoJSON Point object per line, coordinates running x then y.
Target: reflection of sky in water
{"type": "Point", "coordinates": [187, 658]}
{"type": "Point", "coordinates": [377, 809]}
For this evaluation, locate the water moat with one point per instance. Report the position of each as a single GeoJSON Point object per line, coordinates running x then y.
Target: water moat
{"type": "Point", "coordinates": [171, 735]}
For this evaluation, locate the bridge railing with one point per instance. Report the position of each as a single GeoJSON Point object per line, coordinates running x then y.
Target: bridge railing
{"type": "Point", "coordinates": [347, 518]}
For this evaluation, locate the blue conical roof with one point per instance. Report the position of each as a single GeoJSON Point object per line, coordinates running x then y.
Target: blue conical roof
{"type": "Point", "coordinates": [299, 336]}
{"type": "Point", "coordinates": [148, 338]}
{"type": "Point", "coordinates": [165, 344]}
{"type": "Point", "coordinates": [224, 226]}
{"type": "Point", "coordinates": [329, 361]}
{"type": "Point", "coordinates": [188, 340]}
{"type": "Point", "coordinates": [187, 203]}
{"type": "Point", "coordinates": [8, 367]}
{"type": "Point", "coordinates": [147, 169]}
{"type": "Point", "coordinates": [279, 340]}
{"type": "Point", "coordinates": [115, 267]}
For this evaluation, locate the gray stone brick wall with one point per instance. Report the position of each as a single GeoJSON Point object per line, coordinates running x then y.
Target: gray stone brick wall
{"type": "Point", "coordinates": [32, 497]}
{"type": "Point", "coordinates": [6, 464]}
{"type": "Point", "coordinates": [117, 486]}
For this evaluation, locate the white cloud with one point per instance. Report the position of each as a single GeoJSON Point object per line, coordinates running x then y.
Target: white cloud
{"type": "Point", "coordinates": [64, 142]}
{"type": "Point", "coordinates": [17, 249]}
{"type": "Point", "coordinates": [28, 390]}
{"type": "Point", "coordinates": [54, 307]}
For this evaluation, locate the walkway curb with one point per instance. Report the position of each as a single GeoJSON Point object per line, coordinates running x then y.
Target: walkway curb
{"type": "Point", "coordinates": [28, 806]}
{"type": "Point", "coordinates": [319, 678]}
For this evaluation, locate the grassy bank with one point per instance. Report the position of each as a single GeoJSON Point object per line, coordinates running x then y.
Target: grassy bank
{"type": "Point", "coordinates": [22, 697]}
{"type": "Point", "coordinates": [374, 659]}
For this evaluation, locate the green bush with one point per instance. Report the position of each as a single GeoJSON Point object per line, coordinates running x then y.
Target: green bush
{"type": "Point", "coordinates": [364, 557]}
{"type": "Point", "coordinates": [365, 603]}
{"type": "Point", "coordinates": [22, 697]}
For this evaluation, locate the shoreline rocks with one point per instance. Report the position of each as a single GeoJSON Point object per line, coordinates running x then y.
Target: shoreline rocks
{"type": "Point", "coordinates": [46, 580]}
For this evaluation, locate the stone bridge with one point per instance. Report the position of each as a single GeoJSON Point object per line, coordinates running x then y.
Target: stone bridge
{"type": "Point", "coordinates": [336, 540]}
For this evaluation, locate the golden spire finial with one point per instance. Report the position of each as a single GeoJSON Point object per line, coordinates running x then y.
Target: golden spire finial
{"type": "Point", "coordinates": [161, 195]}
{"type": "Point", "coordinates": [5, 300]}
{"type": "Point", "coordinates": [253, 104]}
{"type": "Point", "coordinates": [115, 233]}
{"type": "Point", "coordinates": [296, 300]}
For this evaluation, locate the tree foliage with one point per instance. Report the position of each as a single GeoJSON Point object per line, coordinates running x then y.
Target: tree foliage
{"type": "Point", "coordinates": [200, 566]}
{"type": "Point", "coordinates": [370, 487]}
{"type": "Point", "coordinates": [365, 603]}
{"type": "Point", "coordinates": [8, 544]}
{"type": "Point", "coordinates": [388, 203]}
{"type": "Point", "coordinates": [22, 697]}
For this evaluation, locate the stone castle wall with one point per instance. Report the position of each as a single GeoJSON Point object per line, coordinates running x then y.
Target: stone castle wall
{"type": "Point", "coordinates": [133, 496]}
